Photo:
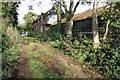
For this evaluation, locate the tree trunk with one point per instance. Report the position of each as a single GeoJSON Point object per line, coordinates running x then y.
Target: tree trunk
{"type": "Point", "coordinates": [96, 41]}
{"type": "Point", "coordinates": [69, 26]}
{"type": "Point", "coordinates": [59, 19]}
{"type": "Point", "coordinates": [106, 30]}
{"type": "Point", "coordinates": [58, 10]}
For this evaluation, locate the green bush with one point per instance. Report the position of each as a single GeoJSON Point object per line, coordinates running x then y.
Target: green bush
{"type": "Point", "coordinates": [106, 59]}
{"type": "Point", "coordinates": [10, 57]}
{"type": "Point", "coordinates": [10, 37]}
{"type": "Point", "coordinates": [10, 51]}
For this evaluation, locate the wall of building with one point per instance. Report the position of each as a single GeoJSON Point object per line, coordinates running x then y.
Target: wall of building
{"type": "Point", "coordinates": [52, 19]}
{"type": "Point", "coordinates": [83, 26]}
{"type": "Point", "coordinates": [40, 25]}
{"type": "Point", "coordinates": [37, 25]}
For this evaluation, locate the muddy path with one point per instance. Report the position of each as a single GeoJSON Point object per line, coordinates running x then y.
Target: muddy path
{"type": "Point", "coordinates": [56, 62]}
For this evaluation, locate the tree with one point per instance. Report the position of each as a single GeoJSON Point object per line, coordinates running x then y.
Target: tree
{"type": "Point", "coordinates": [111, 17]}
{"type": "Point", "coordinates": [9, 36]}
{"type": "Point", "coordinates": [8, 15]}
{"type": "Point", "coordinates": [9, 19]}
{"type": "Point", "coordinates": [95, 31]}
{"type": "Point", "coordinates": [69, 13]}
{"type": "Point", "coordinates": [29, 18]}
{"type": "Point", "coordinates": [21, 27]}
{"type": "Point", "coordinates": [107, 19]}
{"type": "Point", "coordinates": [57, 6]}
{"type": "Point", "coordinates": [9, 10]}
{"type": "Point", "coordinates": [116, 15]}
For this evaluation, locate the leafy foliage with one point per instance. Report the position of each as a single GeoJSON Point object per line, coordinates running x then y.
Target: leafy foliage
{"type": "Point", "coordinates": [9, 10]}
{"type": "Point", "coordinates": [29, 18]}
{"type": "Point", "coordinates": [10, 57]}
{"type": "Point", "coordinates": [116, 15]}
{"type": "Point", "coordinates": [10, 51]}
{"type": "Point", "coordinates": [113, 15]}
{"type": "Point", "coordinates": [10, 38]}
{"type": "Point", "coordinates": [105, 59]}
{"type": "Point", "coordinates": [21, 27]}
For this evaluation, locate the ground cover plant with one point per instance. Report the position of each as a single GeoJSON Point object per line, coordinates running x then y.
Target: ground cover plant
{"type": "Point", "coordinates": [104, 59]}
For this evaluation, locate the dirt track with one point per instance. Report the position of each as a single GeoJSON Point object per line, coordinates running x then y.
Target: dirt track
{"type": "Point", "coordinates": [59, 64]}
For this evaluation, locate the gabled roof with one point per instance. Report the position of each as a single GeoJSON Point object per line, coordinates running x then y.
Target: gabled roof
{"type": "Point", "coordinates": [87, 14]}
{"type": "Point", "coordinates": [84, 15]}
{"type": "Point", "coordinates": [43, 15]}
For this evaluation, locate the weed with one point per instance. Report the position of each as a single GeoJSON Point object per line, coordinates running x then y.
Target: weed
{"type": "Point", "coordinates": [33, 54]}
{"type": "Point", "coordinates": [47, 59]}
{"type": "Point", "coordinates": [45, 52]}
{"type": "Point", "coordinates": [33, 46]}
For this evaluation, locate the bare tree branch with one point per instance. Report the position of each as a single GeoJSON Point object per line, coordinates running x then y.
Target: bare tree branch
{"type": "Point", "coordinates": [76, 5]}
{"type": "Point", "coordinates": [71, 5]}
{"type": "Point", "coordinates": [65, 6]}
{"type": "Point", "coordinates": [53, 5]}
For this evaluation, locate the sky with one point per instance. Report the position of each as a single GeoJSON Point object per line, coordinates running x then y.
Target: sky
{"type": "Point", "coordinates": [44, 7]}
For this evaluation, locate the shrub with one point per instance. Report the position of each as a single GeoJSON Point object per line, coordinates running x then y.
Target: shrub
{"type": "Point", "coordinates": [10, 57]}
{"type": "Point", "coordinates": [10, 51]}
{"type": "Point", "coordinates": [10, 37]}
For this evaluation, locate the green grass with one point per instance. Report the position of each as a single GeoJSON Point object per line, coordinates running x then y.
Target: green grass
{"type": "Point", "coordinates": [38, 68]}
{"type": "Point", "coordinates": [33, 54]}
{"type": "Point", "coordinates": [44, 52]}
{"type": "Point", "coordinates": [47, 59]}
{"type": "Point", "coordinates": [27, 38]}
{"type": "Point", "coordinates": [30, 40]}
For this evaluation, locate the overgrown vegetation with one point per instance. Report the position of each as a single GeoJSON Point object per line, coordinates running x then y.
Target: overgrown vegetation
{"type": "Point", "coordinates": [10, 38]}
{"type": "Point", "coordinates": [104, 59]}
{"type": "Point", "coordinates": [29, 18]}
{"type": "Point", "coordinates": [10, 51]}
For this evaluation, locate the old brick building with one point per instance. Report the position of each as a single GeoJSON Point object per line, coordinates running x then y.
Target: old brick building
{"type": "Point", "coordinates": [45, 20]}
{"type": "Point", "coordinates": [83, 21]}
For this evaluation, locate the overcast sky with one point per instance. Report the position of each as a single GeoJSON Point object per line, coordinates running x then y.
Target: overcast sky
{"type": "Point", "coordinates": [44, 7]}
